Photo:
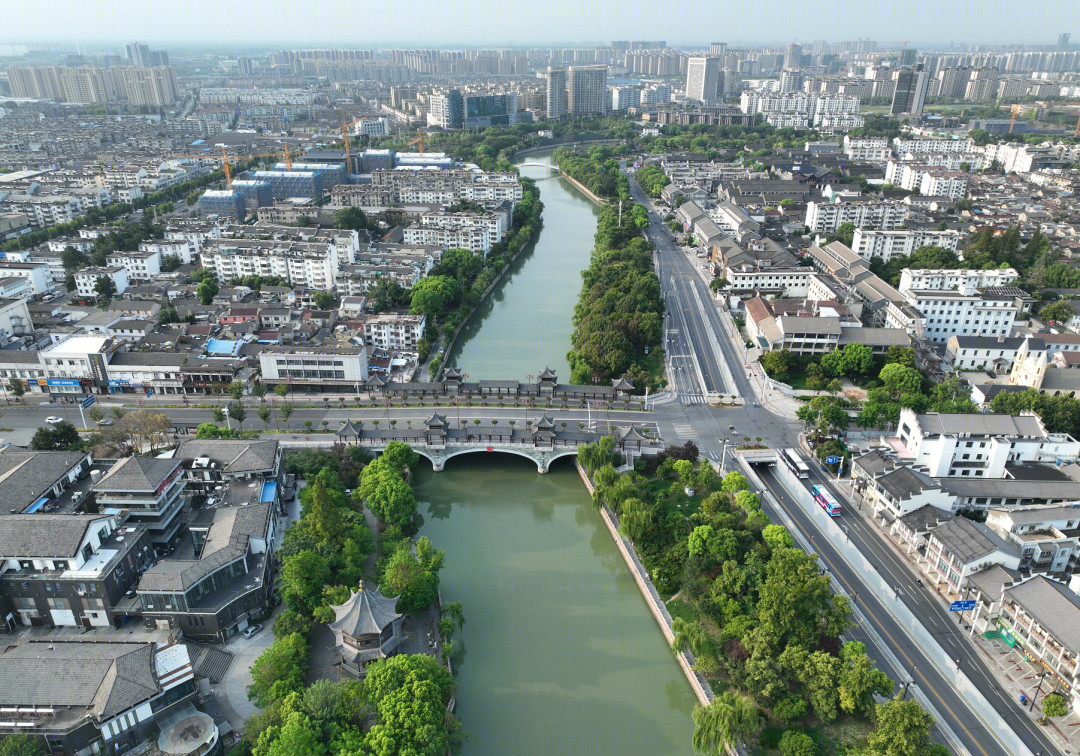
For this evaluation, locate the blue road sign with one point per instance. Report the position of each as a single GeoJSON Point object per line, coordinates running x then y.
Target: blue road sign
{"type": "Point", "coordinates": [962, 606]}
{"type": "Point", "coordinates": [88, 401]}
{"type": "Point", "coordinates": [831, 460]}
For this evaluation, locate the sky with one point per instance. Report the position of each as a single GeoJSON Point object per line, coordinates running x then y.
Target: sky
{"type": "Point", "coordinates": [484, 23]}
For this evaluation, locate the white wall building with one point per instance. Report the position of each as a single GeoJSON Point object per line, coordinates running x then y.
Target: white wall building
{"type": "Point", "coordinates": [980, 445]}
{"type": "Point", "coordinates": [938, 279]}
{"type": "Point", "coordinates": [311, 265]}
{"type": "Point", "coordinates": [87, 278]}
{"type": "Point", "coordinates": [394, 332]}
{"type": "Point", "coordinates": [827, 217]}
{"type": "Point", "coordinates": [140, 266]}
{"type": "Point", "coordinates": [868, 243]}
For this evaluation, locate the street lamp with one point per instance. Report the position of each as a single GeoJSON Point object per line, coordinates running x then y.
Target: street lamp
{"type": "Point", "coordinates": [1041, 676]}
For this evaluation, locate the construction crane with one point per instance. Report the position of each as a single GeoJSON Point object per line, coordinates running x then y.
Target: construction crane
{"type": "Point", "coordinates": [225, 165]}
{"type": "Point", "coordinates": [1015, 112]}
{"type": "Point", "coordinates": [288, 159]}
{"type": "Point", "coordinates": [900, 57]}
{"type": "Point", "coordinates": [1076, 131]}
{"type": "Point", "coordinates": [419, 139]}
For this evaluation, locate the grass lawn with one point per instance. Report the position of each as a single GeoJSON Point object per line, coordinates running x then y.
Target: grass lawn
{"type": "Point", "coordinates": [829, 737]}
{"type": "Point", "coordinates": [654, 363]}
{"type": "Point", "coordinates": [679, 608]}
{"type": "Point", "coordinates": [685, 505]}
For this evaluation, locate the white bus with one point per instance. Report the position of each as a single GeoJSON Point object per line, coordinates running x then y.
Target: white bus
{"type": "Point", "coordinates": [794, 462]}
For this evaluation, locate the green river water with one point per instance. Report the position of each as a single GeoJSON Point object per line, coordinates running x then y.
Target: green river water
{"type": "Point", "coordinates": [559, 654]}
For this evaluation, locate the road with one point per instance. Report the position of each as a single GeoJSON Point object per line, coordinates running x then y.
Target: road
{"type": "Point", "coordinates": [32, 416]}
{"type": "Point", "coordinates": [950, 705]}
{"type": "Point", "coordinates": [687, 342]}
{"type": "Point", "coordinates": [945, 626]}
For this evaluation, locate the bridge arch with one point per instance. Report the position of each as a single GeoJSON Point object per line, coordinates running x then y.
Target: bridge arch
{"type": "Point", "coordinates": [539, 165]}
{"type": "Point", "coordinates": [542, 457]}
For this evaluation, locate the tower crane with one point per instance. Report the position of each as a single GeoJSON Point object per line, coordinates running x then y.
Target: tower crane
{"type": "Point", "coordinates": [1015, 112]}
{"type": "Point", "coordinates": [288, 159]}
{"type": "Point", "coordinates": [419, 140]}
{"type": "Point", "coordinates": [225, 166]}
{"type": "Point", "coordinates": [1077, 129]}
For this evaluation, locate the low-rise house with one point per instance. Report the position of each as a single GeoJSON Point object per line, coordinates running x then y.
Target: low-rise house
{"type": "Point", "coordinates": [959, 547]}
{"type": "Point", "coordinates": [151, 492]}
{"type": "Point", "coordinates": [102, 696]}
{"type": "Point", "coordinates": [1048, 536]}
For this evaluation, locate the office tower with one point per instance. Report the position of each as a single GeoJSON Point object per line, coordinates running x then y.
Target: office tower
{"type": "Point", "coordinates": [791, 81]}
{"type": "Point", "coordinates": [446, 109]}
{"type": "Point", "coordinates": [718, 49]}
{"type": "Point", "coordinates": [481, 111]}
{"type": "Point", "coordinates": [909, 93]}
{"type": "Point", "coordinates": [587, 90]}
{"type": "Point", "coordinates": [703, 79]}
{"type": "Point", "coordinates": [556, 93]}
{"type": "Point", "coordinates": [793, 56]}
{"type": "Point", "coordinates": [1063, 41]}
{"type": "Point", "coordinates": [138, 54]}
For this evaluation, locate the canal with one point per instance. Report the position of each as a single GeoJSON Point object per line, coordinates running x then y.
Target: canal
{"type": "Point", "coordinates": [559, 653]}
{"type": "Point", "coordinates": [526, 324]}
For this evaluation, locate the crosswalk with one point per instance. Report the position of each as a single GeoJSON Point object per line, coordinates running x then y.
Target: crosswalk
{"type": "Point", "coordinates": [695, 399]}
{"type": "Point", "coordinates": [684, 431]}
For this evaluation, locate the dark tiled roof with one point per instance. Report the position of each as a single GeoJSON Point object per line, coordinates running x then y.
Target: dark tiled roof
{"type": "Point", "coordinates": [26, 475]}
{"type": "Point", "coordinates": [968, 540]}
{"type": "Point", "coordinates": [44, 535]}
{"type": "Point", "coordinates": [137, 474]}
{"type": "Point", "coordinates": [103, 678]}
{"type": "Point", "coordinates": [234, 457]}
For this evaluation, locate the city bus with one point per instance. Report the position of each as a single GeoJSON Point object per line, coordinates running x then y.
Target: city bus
{"type": "Point", "coordinates": [794, 462]}
{"type": "Point", "coordinates": [826, 500]}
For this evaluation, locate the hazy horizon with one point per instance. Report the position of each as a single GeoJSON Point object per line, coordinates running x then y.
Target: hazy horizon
{"type": "Point", "coordinates": [491, 23]}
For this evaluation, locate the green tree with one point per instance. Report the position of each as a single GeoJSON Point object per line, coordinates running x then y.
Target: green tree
{"type": "Point", "coordinates": [281, 389]}
{"type": "Point", "coordinates": [1058, 312]}
{"type": "Point", "coordinates": [860, 681]}
{"type": "Point", "coordinates": [1054, 705]}
{"type": "Point", "coordinates": [324, 300]}
{"type": "Point", "coordinates": [16, 387]}
{"type": "Point", "coordinates": [20, 745]}
{"type": "Point", "coordinates": [105, 287]}
{"type": "Point", "coordinates": [431, 295]}
{"type": "Point", "coordinates": [321, 515]}
{"type": "Point", "coordinates": [303, 576]}
{"type": "Point", "coordinates": [279, 670]}
{"type": "Point", "coordinates": [900, 380]}
{"type": "Point", "coordinates": [777, 536]}
{"type": "Point", "coordinates": [296, 736]}
{"type": "Point", "coordinates": [728, 717]}
{"type": "Point", "coordinates": [265, 415]}
{"type": "Point", "coordinates": [73, 259]}
{"type": "Point", "coordinates": [350, 218]}
{"type": "Point", "coordinates": [238, 413]}
{"type": "Point", "coordinates": [391, 499]}
{"type": "Point", "coordinates": [902, 728]}
{"type": "Point", "coordinates": [794, 743]}
{"type": "Point", "coordinates": [61, 437]}
{"type": "Point", "coordinates": [413, 574]}
{"type": "Point", "coordinates": [776, 363]}
{"type": "Point", "coordinates": [236, 390]}
{"type": "Point", "coordinates": [409, 694]}
{"type": "Point", "coordinates": [207, 290]}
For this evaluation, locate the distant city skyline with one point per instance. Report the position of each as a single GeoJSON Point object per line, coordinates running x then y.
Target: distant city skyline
{"type": "Point", "coordinates": [486, 23]}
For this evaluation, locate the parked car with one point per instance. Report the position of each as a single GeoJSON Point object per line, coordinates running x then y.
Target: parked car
{"type": "Point", "coordinates": [105, 421]}
{"type": "Point", "coordinates": [53, 419]}
{"type": "Point", "coordinates": [252, 631]}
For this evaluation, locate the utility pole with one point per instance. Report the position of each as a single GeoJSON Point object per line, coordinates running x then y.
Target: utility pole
{"type": "Point", "coordinates": [620, 211]}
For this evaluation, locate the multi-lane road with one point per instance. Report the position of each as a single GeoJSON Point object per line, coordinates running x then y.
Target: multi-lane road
{"type": "Point", "coordinates": [697, 342]}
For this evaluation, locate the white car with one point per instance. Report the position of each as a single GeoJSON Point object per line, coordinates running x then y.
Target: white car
{"type": "Point", "coordinates": [252, 631]}
{"type": "Point", "coordinates": [53, 419]}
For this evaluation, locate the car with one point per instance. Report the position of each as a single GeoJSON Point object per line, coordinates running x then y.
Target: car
{"type": "Point", "coordinates": [53, 419]}
{"type": "Point", "coordinates": [252, 631]}
{"type": "Point", "coordinates": [105, 421]}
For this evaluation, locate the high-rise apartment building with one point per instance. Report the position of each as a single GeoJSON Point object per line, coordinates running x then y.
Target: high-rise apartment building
{"type": "Point", "coordinates": [556, 93]}
{"type": "Point", "coordinates": [983, 84]}
{"type": "Point", "coordinates": [587, 90]}
{"type": "Point", "coordinates": [793, 56]}
{"type": "Point", "coordinates": [1063, 41]}
{"type": "Point", "coordinates": [704, 80]}
{"type": "Point", "coordinates": [718, 49]}
{"type": "Point", "coordinates": [953, 80]}
{"type": "Point", "coordinates": [243, 67]}
{"type": "Point", "coordinates": [138, 54]}
{"type": "Point", "coordinates": [909, 94]}
{"type": "Point", "coordinates": [139, 85]}
{"type": "Point", "coordinates": [791, 81]}
{"type": "Point", "coordinates": [623, 97]}
{"type": "Point", "coordinates": [154, 87]}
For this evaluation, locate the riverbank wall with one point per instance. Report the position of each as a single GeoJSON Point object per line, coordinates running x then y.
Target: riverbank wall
{"type": "Point", "coordinates": [659, 611]}
{"type": "Point", "coordinates": [581, 188]}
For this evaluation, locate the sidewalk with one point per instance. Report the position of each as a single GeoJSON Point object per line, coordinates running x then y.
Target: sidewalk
{"type": "Point", "coordinates": [1013, 672]}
